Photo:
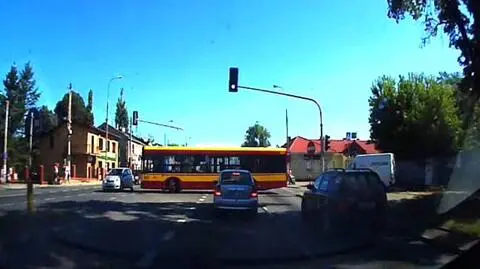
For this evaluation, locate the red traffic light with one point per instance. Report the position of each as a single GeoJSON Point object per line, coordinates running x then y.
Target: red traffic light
{"type": "Point", "coordinates": [233, 80]}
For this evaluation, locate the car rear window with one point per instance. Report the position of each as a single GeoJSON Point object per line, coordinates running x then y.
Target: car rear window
{"type": "Point", "coordinates": [115, 172]}
{"type": "Point", "coordinates": [236, 178]}
{"type": "Point", "coordinates": [355, 182]}
{"type": "Point", "coordinates": [329, 182]}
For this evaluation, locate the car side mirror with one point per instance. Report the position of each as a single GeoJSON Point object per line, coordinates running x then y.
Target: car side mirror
{"type": "Point", "coordinates": [310, 187]}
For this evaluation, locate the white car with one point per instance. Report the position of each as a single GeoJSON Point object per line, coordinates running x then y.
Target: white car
{"type": "Point", "coordinates": [118, 179]}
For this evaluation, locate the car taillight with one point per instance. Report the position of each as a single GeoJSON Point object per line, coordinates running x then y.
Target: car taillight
{"type": "Point", "coordinates": [217, 191]}
{"type": "Point", "coordinates": [254, 194]}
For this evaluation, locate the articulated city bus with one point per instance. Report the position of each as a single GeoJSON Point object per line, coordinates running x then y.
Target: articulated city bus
{"type": "Point", "coordinates": [178, 168]}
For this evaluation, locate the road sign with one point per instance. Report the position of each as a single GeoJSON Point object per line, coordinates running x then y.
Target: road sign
{"type": "Point", "coordinates": [311, 148]}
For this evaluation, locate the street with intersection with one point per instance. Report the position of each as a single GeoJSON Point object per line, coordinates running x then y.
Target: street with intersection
{"type": "Point", "coordinates": [83, 227]}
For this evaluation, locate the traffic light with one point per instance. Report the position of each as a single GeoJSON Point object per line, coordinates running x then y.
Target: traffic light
{"type": "Point", "coordinates": [135, 118]}
{"type": "Point", "coordinates": [327, 142]}
{"type": "Point", "coordinates": [233, 80]}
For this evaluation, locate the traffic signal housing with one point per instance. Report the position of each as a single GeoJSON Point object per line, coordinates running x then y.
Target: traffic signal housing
{"type": "Point", "coordinates": [233, 80]}
{"type": "Point", "coordinates": [135, 118]}
{"type": "Point", "coordinates": [327, 142]}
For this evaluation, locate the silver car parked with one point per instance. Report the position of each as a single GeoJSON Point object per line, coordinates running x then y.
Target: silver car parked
{"type": "Point", "coordinates": [236, 190]}
{"type": "Point", "coordinates": [118, 179]}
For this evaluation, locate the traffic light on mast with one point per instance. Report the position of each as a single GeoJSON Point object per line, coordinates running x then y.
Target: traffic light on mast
{"type": "Point", "coordinates": [327, 142]}
{"type": "Point", "coordinates": [135, 118]}
{"type": "Point", "coordinates": [233, 80]}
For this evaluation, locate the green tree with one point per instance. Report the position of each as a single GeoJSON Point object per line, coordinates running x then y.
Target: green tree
{"type": "Point", "coordinates": [414, 117]}
{"type": "Point", "coordinates": [121, 113]}
{"type": "Point", "coordinates": [90, 101]}
{"type": "Point", "coordinates": [256, 136]}
{"type": "Point", "coordinates": [80, 113]}
{"type": "Point", "coordinates": [459, 19]}
{"type": "Point", "coordinates": [21, 91]}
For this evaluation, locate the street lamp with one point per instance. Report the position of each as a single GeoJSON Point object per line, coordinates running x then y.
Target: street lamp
{"type": "Point", "coordinates": [106, 118]}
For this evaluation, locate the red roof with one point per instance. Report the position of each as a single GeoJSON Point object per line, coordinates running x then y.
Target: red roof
{"type": "Point", "coordinates": [299, 145]}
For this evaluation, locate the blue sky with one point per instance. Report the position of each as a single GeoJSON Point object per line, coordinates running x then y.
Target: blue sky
{"type": "Point", "coordinates": [175, 54]}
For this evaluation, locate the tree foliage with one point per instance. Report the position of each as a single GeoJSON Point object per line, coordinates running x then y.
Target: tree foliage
{"type": "Point", "coordinates": [256, 136]}
{"type": "Point", "coordinates": [21, 92]}
{"type": "Point", "coordinates": [121, 113]}
{"type": "Point", "coordinates": [90, 101]}
{"type": "Point", "coordinates": [459, 19]}
{"type": "Point", "coordinates": [414, 117]}
{"type": "Point", "coordinates": [80, 113]}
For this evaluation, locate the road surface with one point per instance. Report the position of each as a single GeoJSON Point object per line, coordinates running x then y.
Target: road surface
{"type": "Point", "coordinates": [81, 226]}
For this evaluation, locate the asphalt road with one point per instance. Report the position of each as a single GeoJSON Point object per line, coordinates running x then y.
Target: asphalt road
{"type": "Point", "coordinates": [82, 227]}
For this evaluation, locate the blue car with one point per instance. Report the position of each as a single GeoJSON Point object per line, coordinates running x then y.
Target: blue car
{"type": "Point", "coordinates": [236, 190]}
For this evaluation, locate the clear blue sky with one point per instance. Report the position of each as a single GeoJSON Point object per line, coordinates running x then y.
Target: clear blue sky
{"type": "Point", "coordinates": [175, 56]}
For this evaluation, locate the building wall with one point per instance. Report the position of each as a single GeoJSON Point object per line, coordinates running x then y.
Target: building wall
{"type": "Point", "coordinates": [304, 169]}
{"type": "Point", "coordinates": [96, 146]}
{"type": "Point", "coordinates": [137, 150]}
{"type": "Point", "coordinates": [53, 149]}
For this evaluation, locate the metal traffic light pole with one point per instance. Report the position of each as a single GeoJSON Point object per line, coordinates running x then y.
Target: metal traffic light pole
{"type": "Point", "coordinates": [233, 87]}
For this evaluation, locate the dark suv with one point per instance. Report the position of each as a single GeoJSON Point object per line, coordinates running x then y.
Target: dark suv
{"type": "Point", "coordinates": [346, 200]}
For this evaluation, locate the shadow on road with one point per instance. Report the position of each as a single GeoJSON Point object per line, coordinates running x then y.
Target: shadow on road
{"type": "Point", "coordinates": [99, 234]}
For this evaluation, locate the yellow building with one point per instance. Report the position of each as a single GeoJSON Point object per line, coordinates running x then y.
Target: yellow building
{"type": "Point", "coordinates": [90, 152]}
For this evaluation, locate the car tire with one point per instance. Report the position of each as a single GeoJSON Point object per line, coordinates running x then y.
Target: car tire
{"type": "Point", "coordinates": [253, 212]}
{"type": "Point", "coordinates": [306, 214]}
{"type": "Point", "coordinates": [173, 185]}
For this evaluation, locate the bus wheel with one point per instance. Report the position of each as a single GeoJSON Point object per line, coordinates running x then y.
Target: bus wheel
{"type": "Point", "coordinates": [173, 185]}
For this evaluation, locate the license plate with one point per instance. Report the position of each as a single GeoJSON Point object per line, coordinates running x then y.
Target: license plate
{"type": "Point", "coordinates": [367, 205]}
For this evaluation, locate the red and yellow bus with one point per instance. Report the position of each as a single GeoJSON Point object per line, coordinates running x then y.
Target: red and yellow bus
{"type": "Point", "coordinates": [180, 168]}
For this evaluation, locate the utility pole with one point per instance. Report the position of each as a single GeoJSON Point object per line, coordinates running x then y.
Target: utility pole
{"type": "Point", "coordinates": [30, 203]}
{"type": "Point", "coordinates": [286, 123]}
{"type": "Point", "coordinates": [5, 140]}
{"type": "Point", "coordinates": [69, 130]}
{"type": "Point", "coordinates": [130, 146]}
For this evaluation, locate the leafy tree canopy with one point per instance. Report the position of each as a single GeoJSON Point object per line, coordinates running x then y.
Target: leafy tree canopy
{"type": "Point", "coordinates": [459, 20]}
{"type": "Point", "coordinates": [256, 136]}
{"type": "Point", "coordinates": [80, 113]}
{"type": "Point", "coordinates": [121, 113]}
{"type": "Point", "coordinates": [415, 116]}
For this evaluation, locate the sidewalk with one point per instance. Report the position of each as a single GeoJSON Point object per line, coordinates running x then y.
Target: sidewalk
{"type": "Point", "coordinates": [21, 186]}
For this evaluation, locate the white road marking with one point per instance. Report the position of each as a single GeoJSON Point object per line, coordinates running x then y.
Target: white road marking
{"type": "Point", "coordinates": [13, 195]}
{"type": "Point", "coordinates": [147, 259]}
{"type": "Point", "coordinates": [265, 209]}
{"type": "Point", "coordinates": [67, 196]}
{"type": "Point", "coordinates": [204, 196]}
{"type": "Point", "coordinates": [181, 220]}
{"type": "Point", "coordinates": [49, 199]}
{"type": "Point", "coordinates": [51, 191]}
{"type": "Point", "coordinates": [64, 190]}
{"type": "Point", "coordinates": [81, 194]}
{"type": "Point", "coordinates": [201, 199]}
{"type": "Point", "coordinates": [112, 198]}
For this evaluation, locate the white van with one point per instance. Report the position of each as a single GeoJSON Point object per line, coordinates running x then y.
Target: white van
{"type": "Point", "coordinates": [382, 163]}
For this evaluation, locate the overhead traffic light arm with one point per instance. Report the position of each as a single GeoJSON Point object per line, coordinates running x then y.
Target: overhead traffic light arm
{"type": "Point", "coordinates": [233, 87]}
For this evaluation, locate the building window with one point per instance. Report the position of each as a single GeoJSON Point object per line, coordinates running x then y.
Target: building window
{"type": "Point", "coordinates": [108, 146]}
{"type": "Point", "coordinates": [100, 143]}
{"type": "Point", "coordinates": [133, 148]}
{"type": "Point", "coordinates": [92, 144]}
{"type": "Point", "coordinates": [113, 165]}
{"type": "Point", "coordinates": [52, 142]}
{"type": "Point", "coordinates": [113, 147]}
